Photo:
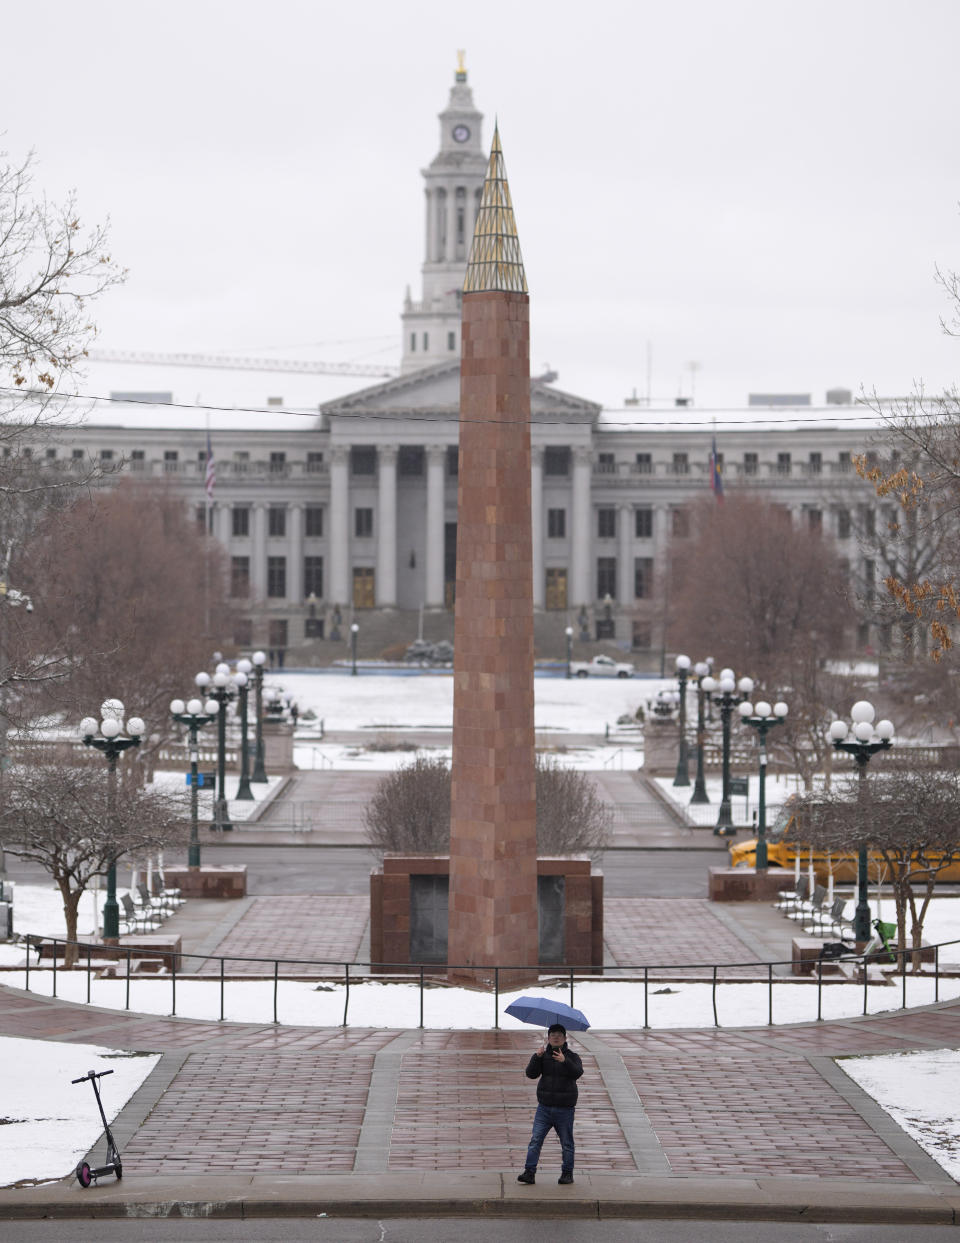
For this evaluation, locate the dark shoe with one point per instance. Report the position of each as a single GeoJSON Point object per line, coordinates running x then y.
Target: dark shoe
{"type": "Point", "coordinates": [528, 1176]}
{"type": "Point", "coordinates": [565, 1177]}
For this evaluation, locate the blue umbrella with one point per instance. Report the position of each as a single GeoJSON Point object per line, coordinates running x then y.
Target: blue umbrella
{"type": "Point", "coordinates": [542, 1012]}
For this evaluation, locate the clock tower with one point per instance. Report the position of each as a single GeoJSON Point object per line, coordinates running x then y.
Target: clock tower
{"type": "Point", "coordinates": [453, 186]}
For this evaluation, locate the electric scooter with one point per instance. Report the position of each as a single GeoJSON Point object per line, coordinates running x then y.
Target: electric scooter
{"type": "Point", "coordinates": [86, 1175]}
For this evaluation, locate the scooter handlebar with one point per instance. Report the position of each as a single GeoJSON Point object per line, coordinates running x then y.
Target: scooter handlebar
{"type": "Point", "coordinates": [92, 1074]}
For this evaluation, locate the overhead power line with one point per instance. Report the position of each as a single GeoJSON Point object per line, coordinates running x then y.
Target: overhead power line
{"type": "Point", "coordinates": [231, 362]}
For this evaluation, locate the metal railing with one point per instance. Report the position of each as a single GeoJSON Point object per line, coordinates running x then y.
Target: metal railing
{"type": "Point", "coordinates": [433, 975]}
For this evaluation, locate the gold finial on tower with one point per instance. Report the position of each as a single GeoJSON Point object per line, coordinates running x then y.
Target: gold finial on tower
{"type": "Point", "coordinates": [495, 261]}
{"type": "Point", "coordinates": [461, 65]}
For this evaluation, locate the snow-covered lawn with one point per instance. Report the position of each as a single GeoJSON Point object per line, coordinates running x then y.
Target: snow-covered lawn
{"type": "Point", "coordinates": [48, 1123]}
{"type": "Point", "coordinates": [921, 1092]}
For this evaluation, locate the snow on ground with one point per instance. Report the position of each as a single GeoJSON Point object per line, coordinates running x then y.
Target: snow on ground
{"type": "Point", "coordinates": [607, 1004]}
{"type": "Point", "coordinates": [48, 1123]}
{"type": "Point", "coordinates": [921, 1093]}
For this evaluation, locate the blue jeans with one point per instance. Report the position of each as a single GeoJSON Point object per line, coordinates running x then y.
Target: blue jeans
{"type": "Point", "coordinates": [546, 1118]}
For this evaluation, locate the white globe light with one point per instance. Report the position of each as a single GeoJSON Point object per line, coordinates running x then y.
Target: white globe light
{"type": "Point", "coordinates": [727, 673]}
{"type": "Point", "coordinates": [240, 678]}
{"type": "Point", "coordinates": [701, 668]}
{"type": "Point", "coordinates": [763, 708]}
{"type": "Point", "coordinates": [885, 730]}
{"type": "Point", "coordinates": [746, 709]}
{"type": "Point", "coordinates": [220, 679]}
{"type": "Point", "coordinates": [683, 662]}
{"type": "Point", "coordinates": [780, 709]}
{"type": "Point", "coordinates": [89, 726]}
{"type": "Point", "coordinates": [727, 685]}
{"type": "Point", "coordinates": [136, 727]}
{"type": "Point", "coordinates": [863, 731]}
{"type": "Point", "coordinates": [112, 708]}
{"type": "Point", "coordinates": [745, 686]}
{"type": "Point", "coordinates": [202, 680]}
{"type": "Point", "coordinates": [110, 728]}
{"type": "Point", "coordinates": [862, 710]}
{"type": "Point", "coordinates": [211, 707]}
{"type": "Point", "coordinates": [259, 658]}
{"type": "Point", "coordinates": [838, 730]}
{"type": "Point", "coordinates": [223, 667]}
{"type": "Point", "coordinates": [709, 684]}
{"type": "Point", "coordinates": [194, 707]}
{"type": "Point", "coordinates": [569, 632]}
{"type": "Point", "coordinates": [244, 666]}
{"type": "Point", "coordinates": [354, 628]}
{"type": "Point", "coordinates": [178, 707]}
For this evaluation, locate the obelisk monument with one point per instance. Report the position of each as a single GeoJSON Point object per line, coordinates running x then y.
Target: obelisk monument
{"type": "Point", "coordinates": [493, 837]}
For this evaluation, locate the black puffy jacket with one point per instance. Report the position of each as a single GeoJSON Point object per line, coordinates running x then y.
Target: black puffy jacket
{"type": "Point", "coordinates": [558, 1080]}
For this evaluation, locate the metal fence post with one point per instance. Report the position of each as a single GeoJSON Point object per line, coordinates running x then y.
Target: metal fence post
{"type": "Point", "coordinates": [646, 997]}
{"type": "Point", "coordinates": [129, 956]}
{"type": "Point", "coordinates": [421, 994]}
{"type": "Point", "coordinates": [819, 990]}
{"type": "Point", "coordinates": [716, 1021]}
{"type": "Point", "coordinates": [864, 983]}
{"type": "Point", "coordinates": [88, 975]}
{"type": "Point", "coordinates": [173, 983]}
{"type": "Point", "coordinates": [936, 972]}
{"type": "Point", "coordinates": [222, 987]}
{"type": "Point", "coordinates": [769, 994]}
{"type": "Point", "coordinates": [571, 988]}
{"type": "Point", "coordinates": [496, 997]}
{"type": "Point", "coordinates": [54, 966]}
{"type": "Point", "coordinates": [276, 987]}
{"type": "Point", "coordinates": [346, 995]}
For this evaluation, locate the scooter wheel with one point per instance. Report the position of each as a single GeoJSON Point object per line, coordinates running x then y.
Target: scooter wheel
{"type": "Point", "coordinates": [84, 1177]}
{"type": "Point", "coordinates": [118, 1170]}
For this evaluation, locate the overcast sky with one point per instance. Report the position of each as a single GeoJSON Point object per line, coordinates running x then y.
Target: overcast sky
{"type": "Point", "coordinates": [760, 189]}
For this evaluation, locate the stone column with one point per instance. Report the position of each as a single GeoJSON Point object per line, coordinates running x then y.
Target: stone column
{"type": "Point", "coordinates": [295, 556]}
{"type": "Point", "coordinates": [581, 531]}
{"type": "Point", "coordinates": [536, 507]}
{"type": "Point", "coordinates": [258, 559]}
{"type": "Point", "coordinates": [386, 575]}
{"type": "Point", "coordinates": [436, 463]}
{"type": "Point", "coordinates": [624, 557]}
{"type": "Point", "coordinates": [223, 524]}
{"type": "Point", "coordinates": [451, 251]}
{"type": "Point", "coordinates": [339, 547]}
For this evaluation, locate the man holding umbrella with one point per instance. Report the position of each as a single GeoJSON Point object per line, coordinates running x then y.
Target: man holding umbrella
{"type": "Point", "coordinates": [557, 1068]}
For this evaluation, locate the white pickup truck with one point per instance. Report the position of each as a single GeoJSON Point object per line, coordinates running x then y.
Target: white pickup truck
{"type": "Point", "coordinates": [600, 667]}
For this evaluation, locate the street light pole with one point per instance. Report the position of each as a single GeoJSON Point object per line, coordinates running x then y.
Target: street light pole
{"type": "Point", "coordinates": [220, 688]}
{"type": "Point", "coordinates": [354, 631]}
{"type": "Point", "coordinates": [868, 741]}
{"type": "Point", "coordinates": [762, 718]}
{"type": "Point", "coordinates": [728, 700]}
{"type": "Point", "coordinates": [569, 633]}
{"type": "Point", "coordinates": [259, 771]}
{"type": "Point", "coordinates": [111, 745]}
{"type": "Point", "coordinates": [242, 679]}
{"type": "Point", "coordinates": [194, 715]}
{"type": "Point", "coordinates": [702, 671]}
{"type": "Point", "coordinates": [682, 777]}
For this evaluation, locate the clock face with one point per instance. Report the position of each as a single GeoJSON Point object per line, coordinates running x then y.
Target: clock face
{"type": "Point", "coordinates": [461, 133]}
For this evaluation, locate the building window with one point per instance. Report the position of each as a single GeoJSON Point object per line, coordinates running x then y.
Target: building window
{"type": "Point", "coordinates": [868, 520]}
{"type": "Point", "coordinates": [843, 461]}
{"type": "Point", "coordinates": [606, 577]}
{"type": "Point", "coordinates": [240, 516]}
{"type": "Point", "coordinates": [643, 465]}
{"type": "Point", "coordinates": [606, 524]}
{"type": "Point", "coordinates": [169, 460]}
{"type": "Point", "coordinates": [680, 523]}
{"type": "Point", "coordinates": [106, 455]}
{"type": "Point", "coordinates": [278, 463]}
{"type": "Point", "coordinates": [51, 455]}
{"type": "Point", "coordinates": [556, 524]}
{"type": "Point", "coordinates": [556, 589]}
{"type": "Point", "coordinates": [363, 460]}
{"type": "Point", "coordinates": [137, 459]}
{"type": "Point", "coordinates": [314, 463]}
{"type": "Point", "coordinates": [816, 463]}
{"type": "Point", "coordinates": [413, 343]}
{"type": "Point", "coordinates": [313, 576]}
{"type": "Point", "coordinates": [556, 461]}
{"type": "Point", "coordinates": [277, 520]}
{"type": "Point", "coordinates": [451, 340]}
{"type": "Point", "coordinates": [751, 463]}
{"type": "Point", "coordinates": [277, 578]}
{"type": "Point", "coordinates": [201, 517]}
{"type": "Point", "coordinates": [843, 524]}
{"type": "Point", "coordinates": [453, 461]}
{"type": "Point", "coordinates": [364, 588]}
{"type": "Point", "coordinates": [410, 461]}
{"type": "Point", "coordinates": [606, 464]}
{"type": "Point", "coordinates": [643, 523]}
{"type": "Point", "coordinates": [643, 577]}
{"type": "Point", "coordinates": [77, 455]}
{"type": "Point", "coordinates": [239, 576]}
{"type": "Point", "coordinates": [681, 464]}
{"type": "Point", "coordinates": [241, 462]}
{"type": "Point", "coordinates": [313, 522]}
{"type": "Point", "coordinates": [783, 463]}
{"type": "Point", "coordinates": [363, 523]}
{"type": "Point", "coordinates": [815, 521]}
{"type": "Point", "coordinates": [426, 341]}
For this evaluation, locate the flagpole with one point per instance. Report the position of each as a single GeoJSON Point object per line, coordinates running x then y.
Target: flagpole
{"type": "Point", "coordinates": [208, 486]}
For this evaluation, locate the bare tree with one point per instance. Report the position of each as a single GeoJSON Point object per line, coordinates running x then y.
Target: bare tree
{"type": "Point", "coordinates": [410, 810]}
{"type": "Point", "coordinates": [57, 814]}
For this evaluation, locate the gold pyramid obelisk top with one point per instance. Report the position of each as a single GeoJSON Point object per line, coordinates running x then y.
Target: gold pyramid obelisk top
{"type": "Point", "coordinates": [495, 261]}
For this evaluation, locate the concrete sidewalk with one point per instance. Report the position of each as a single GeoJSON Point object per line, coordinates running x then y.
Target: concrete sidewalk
{"type": "Point", "coordinates": [243, 1120]}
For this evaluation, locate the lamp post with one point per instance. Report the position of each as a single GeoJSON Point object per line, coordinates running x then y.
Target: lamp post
{"type": "Point", "coordinates": [569, 633]}
{"type": "Point", "coordinates": [354, 631]}
{"type": "Point", "coordinates": [242, 679]}
{"type": "Point", "coordinates": [682, 777]}
{"type": "Point", "coordinates": [220, 688]}
{"type": "Point", "coordinates": [259, 776]}
{"type": "Point", "coordinates": [10, 597]}
{"type": "Point", "coordinates": [728, 698]}
{"type": "Point", "coordinates": [195, 715]}
{"type": "Point", "coordinates": [867, 741]}
{"type": "Point", "coordinates": [111, 744]}
{"type": "Point", "coordinates": [702, 671]}
{"type": "Point", "coordinates": [762, 718]}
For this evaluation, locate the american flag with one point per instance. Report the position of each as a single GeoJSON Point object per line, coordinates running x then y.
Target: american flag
{"type": "Point", "coordinates": [716, 479]}
{"type": "Point", "coordinates": [210, 478]}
